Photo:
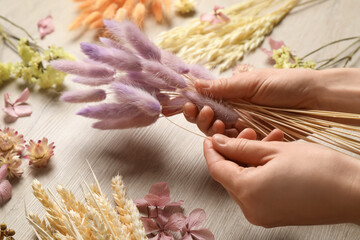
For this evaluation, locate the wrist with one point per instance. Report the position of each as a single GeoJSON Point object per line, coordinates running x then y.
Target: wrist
{"type": "Point", "coordinates": [337, 90]}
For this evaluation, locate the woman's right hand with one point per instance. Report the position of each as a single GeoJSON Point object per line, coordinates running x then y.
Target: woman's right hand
{"type": "Point", "coordinates": [332, 90]}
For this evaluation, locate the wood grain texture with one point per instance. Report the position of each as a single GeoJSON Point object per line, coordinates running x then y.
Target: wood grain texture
{"type": "Point", "coordinates": [162, 152]}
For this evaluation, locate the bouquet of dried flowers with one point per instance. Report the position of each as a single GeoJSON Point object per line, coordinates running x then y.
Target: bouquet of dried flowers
{"type": "Point", "coordinates": [34, 66]}
{"type": "Point", "coordinates": [146, 81]}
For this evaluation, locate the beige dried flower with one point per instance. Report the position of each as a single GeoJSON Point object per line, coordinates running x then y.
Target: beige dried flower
{"type": "Point", "coordinates": [184, 6]}
{"type": "Point", "coordinates": [13, 162]}
{"type": "Point", "coordinates": [39, 153]}
{"type": "Point", "coordinates": [11, 140]}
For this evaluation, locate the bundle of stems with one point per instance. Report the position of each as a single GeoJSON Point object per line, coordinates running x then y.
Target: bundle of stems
{"type": "Point", "coordinates": [147, 81]}
{"type": "Point", "coordinates": [223, 44]}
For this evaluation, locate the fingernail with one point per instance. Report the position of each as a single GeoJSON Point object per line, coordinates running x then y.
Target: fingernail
{"type": "Point", "coordinates": [220, 139]}
{"type": "Point", "coordinates": [202, 84]}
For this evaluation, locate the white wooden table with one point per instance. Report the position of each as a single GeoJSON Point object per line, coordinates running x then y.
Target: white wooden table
{"type": "Point", "coordinates": [162, 152]}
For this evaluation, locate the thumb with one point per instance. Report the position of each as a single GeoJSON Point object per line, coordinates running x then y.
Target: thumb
{"type": "Point", "coordinates": [226, 88]}
{"type": "Point", "coordinates": [244, 151]}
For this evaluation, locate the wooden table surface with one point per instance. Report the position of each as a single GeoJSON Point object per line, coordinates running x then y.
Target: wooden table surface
{"type": "Point", "coordinates": [161, 152]}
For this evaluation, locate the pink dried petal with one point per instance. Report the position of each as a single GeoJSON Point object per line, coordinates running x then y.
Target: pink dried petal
{"type": "Point", "coordinates": [155, 200]}
{"type": "Point", "coordinates": [224, 17]}
{"type": "Point", "coordinates": [149, 225]}
{"type": "Point", "coordinates": [23, 110]}
{"type": "Point", "coordinates": [196, 218]}
{"type": "Point", "coordinates": [274, 45]}
{"type": "Point", "coordinates": [175, 204]}
{"type": "Point", "coordinates": [187, 237]}
{"type": "Point", "coordinates": [207, 17]}
{"type": "Point", "coordinates": [217, 7]}
{"type": "Point", "coordinates": [7, 100]}
{"type": "Point", "coordinates": [5, 191]}
{"type": "Point", "coordinates": [202, 234]}
{"type": "Point", "coordinates": [269, 53]}
{"type": "Point", "coordinates": [10, 111]}
{"type": "Point", "coordinates": [160, 189]}
{"type": "Point", "coordinates": [3, 172]}
{"type": "Point", "coordinates": [45, 26]}
{"type": "Point", "coordinates": [24, 96]}
{"type": "Point", "coordinates": [141, 203]}
{"type": "Point", "coordinates": [92, 95]}
{"type": "Point", "coordinates": [165, 236]}
{"type": "Point", "coordinates": [175, 223]}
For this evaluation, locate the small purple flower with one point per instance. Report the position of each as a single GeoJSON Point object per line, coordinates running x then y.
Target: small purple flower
{"type": "Point", "coordinates": [195, 219]}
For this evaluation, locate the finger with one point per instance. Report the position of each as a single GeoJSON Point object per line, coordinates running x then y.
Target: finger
{"type": "Point", "coordinates": [232, 132]}
{"type": "Point", "coordinates": [190, 112]}
{"type": "Point", "coordinates": [242, 150]}
{"type": "Point", "coordinates": [204, 119]}
{"type": "Point", "coordinates": [275, 135]}
{"type": "Point", "coordinates": [248, 133]}
{"type": "Point", "coordinates": [170, 112]}
{"type": "Point", "coordinates": [227, 173]}
{"type": "Point", "coordinates": [217, 127]}
{"type": "Point", "coordinates": [240, 86]}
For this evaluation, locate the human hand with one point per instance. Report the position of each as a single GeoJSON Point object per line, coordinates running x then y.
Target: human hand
{"type": "Point", "coordinates": [293, 183]}
{"type": "Point", "coordinates": [334, 89]}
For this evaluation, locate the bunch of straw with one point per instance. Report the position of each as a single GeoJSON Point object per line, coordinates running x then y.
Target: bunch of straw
{"type": "Point", "coordinates": [223, 44]}
{"type": "Point", "coordinates": [95, 219]}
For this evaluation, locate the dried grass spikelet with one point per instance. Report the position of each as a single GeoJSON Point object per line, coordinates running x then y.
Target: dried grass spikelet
{"type": "Point", "coordinates": [95, 219]}
{"type": "Point", "coordinates": [223, 44]}
{"type": "Point", "coordinates": [93, 12]}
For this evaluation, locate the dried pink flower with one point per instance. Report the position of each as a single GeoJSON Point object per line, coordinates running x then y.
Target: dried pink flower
{"type": "Point", "coordinates": [5, 186]}
{"type": "Point", "coordinates": [216, 17]}
{"type": "Point", "coordinates": [158, 196]}
{"type": "Point", "coordinates": [163, 224]}
{"type": "Point", "coordinates": [19, 108]}
{"type": "Point", "coordinates": [274, 45]}
{"type": "Point", "coordinates": [40, 152]}
{"type": "Point", "coordinates": [195, 219]}
{"type": "Point", "coordinates": [13, 162]}
{"type": "Point", "coordinates": [10, 140]}
{"type": "Point", "coordinates": [45, 26]}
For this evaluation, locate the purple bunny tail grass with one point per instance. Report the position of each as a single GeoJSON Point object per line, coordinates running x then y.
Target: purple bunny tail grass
{"type": "Point", "coordinates": [163, 98]}
{"type": "Point", "coordinates": [221, 111]}
{"type": "Point", "coordinates": [201, 72]}
{"type": "Point", "coordinates": [138, 83]}
{"type": "Point", "coordinates": [174, 62]}
{"type": "Point", "coordinates": [172, 78]}
{"type": "Point", "coordinates": [93, 81]}
{"type": "Point", "coordinates": [92, 95]}
{"type": "Point", "coordinates": [118, 59]}
{"type": "Point", "coordinates": [136, 97]}
{"type": "Point", "coordinates": [109, 111]}
{"type": "Point", "coordinates": [141, 120]}
{"type": "Point", "coordinates": [148, 80]}
{"type": "Point", "coordinates": [85, 69]}
{"type": "Point", "coordinates": [114, 44]}
{"type": "Point", "coordinates": [132, 34]}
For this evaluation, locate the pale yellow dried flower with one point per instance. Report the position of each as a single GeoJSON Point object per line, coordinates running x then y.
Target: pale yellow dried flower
{"type": "Point", "coordinates": [10, 140]}
{"type": "Point", "coordinates": [184, 6]}
{"type": "Point", "coordinates": [39, 153]}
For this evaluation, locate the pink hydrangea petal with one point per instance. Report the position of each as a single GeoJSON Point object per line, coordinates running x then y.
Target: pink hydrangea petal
{"type": "Point", "coordinates": [157, 237]}
{"type": "Point", "coordinates": [23, 96]}
{"type": "Point", "coordinates": [224, 17]}
{"type": "Point", "coordinates": [187, 237]}
{"type": "Point", "coordinates": [45, 26]}
{"type": "Point", "coordinates": [141, 202]}
{"type": "Point", "coordinates": [5, 191]}
{"type": "Point", "coordinates": [7, 100]}
{"type": "Point", "coordinates": [3, 172]}
{"type": "Point", "coordinates": [23, 110]}
{"type": "Point", "coordinates": [160, 189]}
{"type": "Point", "coordinates": [274, 45]}
{"type": "Point", "coordinates": [269, 53]}
{"type": "Point", "coordinates": [155, 200]}
{"type": "Point", "coordinates": [176, 222]}
{"type": "Point", "coordinates": [207, 17]}
{"type": "Point", "coordinates": [149, 225]}
{"type": "Point", "coordinates": [196, 218]}
{"type": "Point", "coordinates": [175, 204]}
{"type": "Point", "coordinates": [165, 236]}
{"type": "Point", "coordinates": [10, 111]}
{"type": "Point", "coordinates": [202, 234]}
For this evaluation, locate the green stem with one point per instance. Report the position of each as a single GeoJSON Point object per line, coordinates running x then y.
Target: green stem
{"type": "Point", "coordinates": [351, 55]}
{"type": "Point", "coordinates": [19, 27]}
{"type": "Point", "coordinates": [329, 44]}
